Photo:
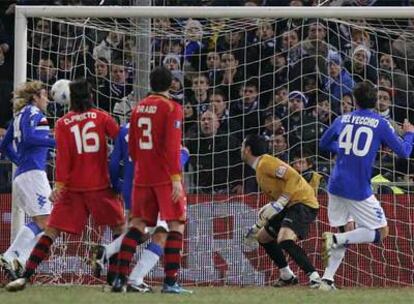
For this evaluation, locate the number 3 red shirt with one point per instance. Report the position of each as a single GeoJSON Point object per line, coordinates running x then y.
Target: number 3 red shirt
{"type": "Point", "coordinates": [155, 139]}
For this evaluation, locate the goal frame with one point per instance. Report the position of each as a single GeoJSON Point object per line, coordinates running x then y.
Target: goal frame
{"type": "Point", "coordinates": [22, 13]}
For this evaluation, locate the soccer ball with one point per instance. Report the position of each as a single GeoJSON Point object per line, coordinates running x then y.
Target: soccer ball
{"type": "Point", "coordinates": [60, 92]}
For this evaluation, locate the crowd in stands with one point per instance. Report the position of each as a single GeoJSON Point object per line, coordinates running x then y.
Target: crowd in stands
{"type": "Point", "coordinates": [285, 79]}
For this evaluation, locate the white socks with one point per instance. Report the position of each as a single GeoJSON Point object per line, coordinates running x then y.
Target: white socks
{"type": "Point", "coordinates": [337, 255]}
{"type": "Point", "coordinates": [148, 260]}
{"type": "Point", "coordinates": [24, 242]}
{"type": "Point", "coordinates": [357, 236]}
{"type": "Point", "coordinates": [286, 273]}
{"type": "Point", "coordinates": [114, 246]}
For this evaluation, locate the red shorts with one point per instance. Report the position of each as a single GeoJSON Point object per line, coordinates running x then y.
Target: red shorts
{"type": "Point", "coordinates": [147, 202]}
{"type": "Point", "coordinates": [70, 213]}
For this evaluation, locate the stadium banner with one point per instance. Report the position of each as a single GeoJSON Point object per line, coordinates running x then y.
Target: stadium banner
{"type": "Point", "coordinates": [214, 253]}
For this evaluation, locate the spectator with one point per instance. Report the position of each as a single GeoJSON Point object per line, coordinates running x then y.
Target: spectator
{"type": "Point", "coordinates": [278, 146]}
{"type": "Point", "coordinates": [215, 157]}
{"type": "Point", "coordinates": [347, 103]}
{"type": "Point", "coordinates": [272, 125]}
{"type": "Point", "coordinates": [279, 102]}
{"type": "Point", "coordinates": [359, 65]}
{"type": "Point", "coordinates": [296, 115]}
{"type": "Point", "coordinates": [338, 82]}
{"type": "Point", "coordinates": [228, 125]}
{"type": "Point", "coordinates": [177, 88]}
{"type": "Point", "coordinates": [172, 62]}
{"type": "Point", "coordinates": [6, 76]}
{"type": "Point", "coordinates": [265, 38]}
{"type": "Point", "coordinates": [116, 88]}
{"type": "Point", "coordinates": [110, 47]}
{"type": "Point", "coordinates": [246, 110]}
{"type": "Point", "coordinates": [213, 66]}
{"type": "Point", "coordinates": [303, 163]}
{"type": "Point", "coordinates": [274, 74]}
{"type": "Point", "coordinates": [199, 93]}
{"type": "Point", "coordinates": [46, 71]}
{"type": "Point", "coordinates": [315, 124]}
{"type": "Point", "coordinates": [230, 75]}
{"type": "Point", "coordinates": [193, 44]}
{"type": "Point", "coordinates": [384, 108]}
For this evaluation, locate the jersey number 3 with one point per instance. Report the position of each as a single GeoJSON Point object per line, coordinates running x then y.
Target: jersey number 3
{"type": "Point", "coordinates": [83, 136]}
{"type": "Point", "coordinates": [353, 144]}
{"type": "Point", "coordinates": [145, 142]}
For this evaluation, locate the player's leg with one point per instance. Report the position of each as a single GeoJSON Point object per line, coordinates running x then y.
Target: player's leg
{"type": "Point", "coordinates": [143, 211]}
{"type": "Point", "coordinates": [371, 224]}
{"type": "Point", "coordinates": [149, 258]}
{"type": "Point", "coordinates": [30, 192]}
{"type": "Point", "coordinates": [174, 213]}
{"type": "Point", "coordinates": [336, 256]}
{"type": "Point", "coordinates": [68, 215]}
{"type": "Point", "coordinates": [267, 239]}
{"type": "Point", "coordinates": [295, 224]}
{"type": "Point", "coordinates": [332, 256]}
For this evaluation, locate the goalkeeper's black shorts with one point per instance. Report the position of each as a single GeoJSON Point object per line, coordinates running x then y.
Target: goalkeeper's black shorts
{"type": "Point", "coordinates": [297, 217]}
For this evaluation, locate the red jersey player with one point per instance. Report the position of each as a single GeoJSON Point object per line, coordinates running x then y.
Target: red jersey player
{"type": "Point", "coordinates": [82, 185]}
{"type": "Point", "coordinates": [154, 146]}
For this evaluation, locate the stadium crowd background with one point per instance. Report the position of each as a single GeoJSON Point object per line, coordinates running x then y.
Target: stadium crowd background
{"type": "Point", "coordinates": [285, 79]}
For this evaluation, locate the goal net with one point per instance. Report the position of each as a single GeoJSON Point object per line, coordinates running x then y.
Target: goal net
{"type": "Point", "coordinates": [282, 77]}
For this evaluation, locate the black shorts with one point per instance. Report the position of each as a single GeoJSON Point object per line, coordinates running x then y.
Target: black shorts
{"type": "Point", "coordinates": [297, 217]}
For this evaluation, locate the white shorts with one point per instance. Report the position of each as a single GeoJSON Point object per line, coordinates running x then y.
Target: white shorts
{"type": "Point", "coordinates": [367, 213]}
{"type": "Point", "coordinates": [31, 191]}
{"type": "Point", "coordinates": [160, 223]}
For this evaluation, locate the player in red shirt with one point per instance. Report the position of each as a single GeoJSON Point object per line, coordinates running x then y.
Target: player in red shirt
{"type": "Point", "coordinates": [82, 186]}
{"type": "Point", "coordinates": [154, 145]}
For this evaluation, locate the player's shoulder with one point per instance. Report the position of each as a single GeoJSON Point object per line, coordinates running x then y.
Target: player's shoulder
{"type": "Point", "coordinates": [267, 159]}
{"type": "Point", "coordinates": [163, 101]}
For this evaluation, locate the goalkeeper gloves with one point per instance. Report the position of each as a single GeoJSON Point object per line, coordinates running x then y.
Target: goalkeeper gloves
{"type": "Point", "coordinates": [250, 238]}
{"type": "Point", "coordinates": [272, 208]}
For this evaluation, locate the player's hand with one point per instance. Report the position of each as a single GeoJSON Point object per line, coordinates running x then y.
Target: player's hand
{"type": "Point", "coordinates": [250, 238]}
{"type": "Point", "coordinates": [55, 195]}
{"type": "Point", "coordinates": [269, 210]}
{"type": "Point", "coordinates": [177, 191]}
{"type": "Point", "coordinates": [407, 126]}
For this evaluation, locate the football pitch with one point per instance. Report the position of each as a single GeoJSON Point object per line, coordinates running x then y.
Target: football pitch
{"type": "Point", "coordinates": [213, 295]}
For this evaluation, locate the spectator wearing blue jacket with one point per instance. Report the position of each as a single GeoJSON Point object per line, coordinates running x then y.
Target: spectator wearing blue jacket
{"type": "Point", "coordinates": [338, 82]}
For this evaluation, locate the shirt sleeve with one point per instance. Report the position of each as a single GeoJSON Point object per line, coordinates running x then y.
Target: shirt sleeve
{"type": "Point", "coordinates": [63, 158]}
{"type": "Point", "coordinates": [114, 163]}
{"type": "Point", "coordinates": [6, 146]}
{"type": "Point", "coordinates": [173, 143]}
{"type": "Point", "coordinates": [111, 127]}
{"type": "Point", "coordinates": [329, 138]}
{"type": "Point", "coordinates": [132, 139]}
{"type": "Point", "coordinates": [35, 132]}
{"type": "Point", "coordinates": [401, 146]}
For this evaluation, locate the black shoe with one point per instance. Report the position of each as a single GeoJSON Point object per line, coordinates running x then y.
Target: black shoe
{"type": "Point", "coordinates": [8, 268]}
{"type": "Point", "coordinates": [119, 284]}
{"type": "Point", "coordinates": [98, 260]}
{"type": "Point", "coordinates": [282, 283]}
{"type": "Point", "coordinates": [141, 288]}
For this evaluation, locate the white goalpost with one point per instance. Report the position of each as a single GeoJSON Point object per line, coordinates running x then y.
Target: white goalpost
{"type": "Point", "coordinates": [250, 59]}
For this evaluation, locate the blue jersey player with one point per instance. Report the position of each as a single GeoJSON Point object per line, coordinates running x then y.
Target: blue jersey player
{"type": "Point", "coordinates": [356, 138]}
{"type": "Point", "coordinates": [26, 144]}
{"type": "Point", "coordinates": [121, 174]}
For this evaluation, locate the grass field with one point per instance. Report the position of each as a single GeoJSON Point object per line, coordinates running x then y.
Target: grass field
{"type": "Point", "coordinates": [213, 295]}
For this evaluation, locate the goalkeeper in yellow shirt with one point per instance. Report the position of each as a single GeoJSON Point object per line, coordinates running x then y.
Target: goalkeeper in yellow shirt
{"type": "Point", "coordinates": [291, 209]}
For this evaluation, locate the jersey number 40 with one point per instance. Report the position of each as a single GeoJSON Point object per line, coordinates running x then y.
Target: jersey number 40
{"type": "Point", "coordinates": [352, 143]}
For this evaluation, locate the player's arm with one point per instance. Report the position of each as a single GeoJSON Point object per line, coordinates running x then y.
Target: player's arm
{"type": "Point", "coordinates": [173, 144]}
{"type": "Point", "coordinates": [282, 171]}
{"type": "Point", "coordinates": [6, 146]}
{"type": "Point", "coordinates": [132, 139]}
{"type": "Point", "coordinates": [111, 127]}
{"type": "Point", "coordinates": [63, 157]}
{"type": "Point", "coordinates": [114, 164]}
{"type": "Point", "coordinates": [36, 133]}
{"type": "Point", "coordinates": [401, 146]}
{"type": "Point", "coordinates": [329, 139]}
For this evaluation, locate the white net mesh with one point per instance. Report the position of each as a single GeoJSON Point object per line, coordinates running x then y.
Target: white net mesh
{"type": "Point", "coordinates": [236, 77]}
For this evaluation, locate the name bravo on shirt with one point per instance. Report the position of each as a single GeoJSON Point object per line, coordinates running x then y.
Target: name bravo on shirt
{"type": "Point", "coordinates": [147, 109]}
{"type": "Point", "coordinates": [360, 120]}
